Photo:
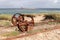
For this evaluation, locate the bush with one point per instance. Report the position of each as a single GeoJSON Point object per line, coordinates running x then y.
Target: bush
{"type": "Point", "coordinates": [5, 17]}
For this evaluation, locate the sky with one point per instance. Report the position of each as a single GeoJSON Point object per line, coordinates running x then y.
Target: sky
{"type": "Point", "coordinates": [30, 3]}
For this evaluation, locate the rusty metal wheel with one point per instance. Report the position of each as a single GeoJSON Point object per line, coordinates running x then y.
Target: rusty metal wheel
{"type": "Point", "coordinates": [14, 19]}
{"type": "Point", "coordinates": [16, 22]}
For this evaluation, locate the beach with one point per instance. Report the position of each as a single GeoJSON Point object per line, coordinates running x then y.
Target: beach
{"type": "Point", "coordinates": [42, 29]}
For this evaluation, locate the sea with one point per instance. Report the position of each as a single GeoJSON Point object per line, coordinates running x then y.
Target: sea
{"type": "Point", "coordinates": [28, 11]}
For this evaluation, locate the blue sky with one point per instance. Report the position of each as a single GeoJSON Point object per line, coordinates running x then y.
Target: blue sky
{"type": "Point", "coordinates": [30, 3]}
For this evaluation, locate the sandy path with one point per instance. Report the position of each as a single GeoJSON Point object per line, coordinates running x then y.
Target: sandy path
{"type": "Point", "coordinates": [49, 34]}
{"type": "Point", "coordinates": [10, 29]}
{"type": "Point", "coordinates": [6, 30]}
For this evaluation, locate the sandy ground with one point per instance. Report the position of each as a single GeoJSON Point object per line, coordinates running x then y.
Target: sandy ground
{"type": "Point", "coordinates": [37, 18]}
{"type": "Point", "coordinates": [51, 35]}
{"type": "Point", "coordinates": [45, 35]}
{"type": "Point", "coordinates": [6, 30]}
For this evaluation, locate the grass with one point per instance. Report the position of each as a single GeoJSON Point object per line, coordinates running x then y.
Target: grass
{"type": "Point", "coordinates": [8, 17]}
{"type": "Point", "coordinates": [34, 31]}
{"type": "Point", "coordinates": [5, 17]}
{"type": "Point", "coordinates": [5, 23]}
{"type": "Point", "coordinates": [14, 33]}
{"type": "Point", "coordinates": [55, 15]}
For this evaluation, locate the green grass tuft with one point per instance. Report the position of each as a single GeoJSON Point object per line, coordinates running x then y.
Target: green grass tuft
{"type": "Point", "coordinates": [14, 33]}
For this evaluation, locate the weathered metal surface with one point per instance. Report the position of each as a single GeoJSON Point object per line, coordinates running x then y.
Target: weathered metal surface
{"type": "Point", "coordinates": [22, 24]}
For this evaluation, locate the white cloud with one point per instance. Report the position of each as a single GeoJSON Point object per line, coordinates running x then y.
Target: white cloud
{"type": "Point", "coordinates": [29, 3]}
{"type": "Point", "coordinates": [54, 1]}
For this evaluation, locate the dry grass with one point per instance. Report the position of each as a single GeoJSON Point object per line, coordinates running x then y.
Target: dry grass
{"type": "Point", "coordinates": [14, 33]}
{"type": "Point", "coordinates": [5, 17]}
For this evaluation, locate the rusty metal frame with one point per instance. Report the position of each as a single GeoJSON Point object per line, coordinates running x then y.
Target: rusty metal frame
{"type": "Point", "coordinates": [28, 25]}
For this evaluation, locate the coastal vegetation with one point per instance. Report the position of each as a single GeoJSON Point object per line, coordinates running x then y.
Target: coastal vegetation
{"type": "Point", "coordinates": [5, 16]}
{"type": "Point", "coordinates": [5, 23]}
{"type": "Point", "coordinates": [9, 16]}
{"type": "Point", "coordinates": [5, 19]}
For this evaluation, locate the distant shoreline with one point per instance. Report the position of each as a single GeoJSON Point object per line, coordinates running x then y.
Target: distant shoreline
{"type": "Point", "coordinates": [28, 11]}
